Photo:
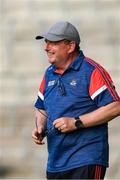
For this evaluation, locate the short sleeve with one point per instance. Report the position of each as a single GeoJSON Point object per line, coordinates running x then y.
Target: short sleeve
{"type": "Point", "coordinates": [40, 97]}
{"type": "Point", "coordinates": [101, 88]}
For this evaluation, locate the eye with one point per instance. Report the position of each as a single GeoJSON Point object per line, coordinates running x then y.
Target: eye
{"type": "Point", "coordinates": [56, 42]}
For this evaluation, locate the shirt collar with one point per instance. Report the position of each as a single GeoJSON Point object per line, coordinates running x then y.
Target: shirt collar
{"type": "Point", "coordinates": [75, 64]}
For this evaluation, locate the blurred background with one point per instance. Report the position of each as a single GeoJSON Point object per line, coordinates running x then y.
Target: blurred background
{"type": "Point", "coordinates": [23, 61]}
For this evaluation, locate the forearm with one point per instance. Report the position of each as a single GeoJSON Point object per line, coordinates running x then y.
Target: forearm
{"type": "Point", "coordinates": [101, 115]}
{"type": "Point", "coordinates": [40, 122]}
{"type": "Point", "coordinates": [40, 118]}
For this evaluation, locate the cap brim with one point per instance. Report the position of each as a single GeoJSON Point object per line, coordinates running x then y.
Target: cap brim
{"type": "Point", "coordinates": [50, 37]}
{"type": "Point", "coordinates": [39, 37]}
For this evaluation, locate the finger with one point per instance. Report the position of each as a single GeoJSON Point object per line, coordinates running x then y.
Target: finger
{"type": "Point", "coordinates": [63, 127]}
{"type": "Point", "coordinates": [35, 134]}
{"type": "Point", "coordinates": [38, 139]}
{"type": "Point", "coordinates": [64, 131]}
{"type": "Point", "coordinates": [58, 124]}
{"type": "Point", "coordinates": [59, 129]}
{"type": "Point", "coordinates": [40, 130]}
{"type": "Point", "coordinates": [57, 121]}
{"type": "Point", "coordinates": [39, 142]}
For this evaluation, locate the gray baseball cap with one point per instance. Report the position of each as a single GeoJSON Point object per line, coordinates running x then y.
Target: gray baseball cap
{"type": "Point", "coordinates": [59, 31]}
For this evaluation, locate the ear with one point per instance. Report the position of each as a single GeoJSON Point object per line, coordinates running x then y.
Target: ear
{"type": "Point", "coordinates": [72, 46]}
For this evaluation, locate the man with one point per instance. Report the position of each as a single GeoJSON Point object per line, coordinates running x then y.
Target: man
{"type": "Point", "coordinates": [76, 99]}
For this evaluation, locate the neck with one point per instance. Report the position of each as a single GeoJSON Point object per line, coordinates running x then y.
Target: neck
{"type": "Point", "coordinates": [63, 66]}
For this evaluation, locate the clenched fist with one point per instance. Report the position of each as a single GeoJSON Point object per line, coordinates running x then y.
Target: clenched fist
{"type": "Point", "coordinates": [37, 135]}
{"type": "Point", "coordinates": [65, 124]}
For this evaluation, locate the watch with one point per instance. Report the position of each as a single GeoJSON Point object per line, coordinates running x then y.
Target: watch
{"type": "Point", "coordinates": [78, 123]}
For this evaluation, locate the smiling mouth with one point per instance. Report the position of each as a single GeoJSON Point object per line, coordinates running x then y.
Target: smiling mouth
{"type": "Point", "coordinates": [50, 53]}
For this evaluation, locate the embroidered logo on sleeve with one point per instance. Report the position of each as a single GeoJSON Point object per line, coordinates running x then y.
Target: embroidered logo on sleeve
{"type": "Point", "coordinates": [51, 83]}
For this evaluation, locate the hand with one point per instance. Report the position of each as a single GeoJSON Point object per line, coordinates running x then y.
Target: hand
{"type": "Point", "coordinates": [65, 124]}
{"type": "Point", "coordinates": [37, 135]}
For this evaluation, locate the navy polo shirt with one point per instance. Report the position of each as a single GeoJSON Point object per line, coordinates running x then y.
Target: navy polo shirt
{"type": "Point", "coordinates": [82, 88]}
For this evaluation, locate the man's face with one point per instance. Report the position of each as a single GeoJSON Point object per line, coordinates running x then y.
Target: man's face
{"type": "Point", "coordinates": [57, 52]}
